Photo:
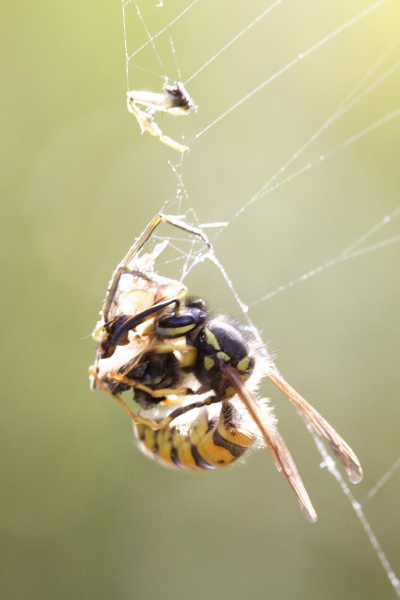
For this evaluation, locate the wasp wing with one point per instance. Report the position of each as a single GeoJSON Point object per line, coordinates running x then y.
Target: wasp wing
{"type": "Point", "coordinates": [342, 451]}
{"type": "Point", "coordinates": [275, 444]}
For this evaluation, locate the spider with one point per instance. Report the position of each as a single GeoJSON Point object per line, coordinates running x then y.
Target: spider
{"type": "Point", "coordinates": [173, 352]}
{"type": "Point", "coordinates": [174, 100]}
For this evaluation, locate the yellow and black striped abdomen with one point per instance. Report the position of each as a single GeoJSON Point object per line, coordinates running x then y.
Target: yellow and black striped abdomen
{"type": "Point", "coordinates": [206, 442]}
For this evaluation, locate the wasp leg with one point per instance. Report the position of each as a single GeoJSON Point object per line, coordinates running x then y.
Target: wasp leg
{"type": "Point", "coordinates": [138, 418]}
{"type": "Point", "coordinates": [159, 393]}
{"type": "Point", "coordinates": [178, 412]}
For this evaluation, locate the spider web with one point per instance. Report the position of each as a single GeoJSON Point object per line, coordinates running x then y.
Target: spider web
{"type": "Point", "coordinates": [155, 52]}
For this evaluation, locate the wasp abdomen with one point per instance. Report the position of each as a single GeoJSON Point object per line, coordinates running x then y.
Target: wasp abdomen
{"type": "Point", "coordinates": [207, 442]}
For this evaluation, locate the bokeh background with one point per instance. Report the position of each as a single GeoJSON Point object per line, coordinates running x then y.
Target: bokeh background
{"type": "Point", "coordinates": [83, 513]}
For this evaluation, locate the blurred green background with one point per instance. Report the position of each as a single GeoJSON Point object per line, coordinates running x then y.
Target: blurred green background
{"type": "Point", "coordinates": [83, 513]}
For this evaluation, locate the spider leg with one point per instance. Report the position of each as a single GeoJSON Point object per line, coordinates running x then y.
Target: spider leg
{"type": "Point", "coordinates": [156, 131]}
{"type": "Point", "coordinates": [147, 123]}
{"type": "Point", "coordinates": [143, 117]}
{"type": "Point", "coordinates": [137, 246]}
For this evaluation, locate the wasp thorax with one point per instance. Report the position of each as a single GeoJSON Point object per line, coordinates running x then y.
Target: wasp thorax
{"type": "Point", "coordinates": [223, 340]}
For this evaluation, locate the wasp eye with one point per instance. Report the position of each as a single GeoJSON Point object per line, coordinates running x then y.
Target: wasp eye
{"type": "Point", "coordinates": [178, 325]}
{"type": "Point", "coordinates": [175, 321]}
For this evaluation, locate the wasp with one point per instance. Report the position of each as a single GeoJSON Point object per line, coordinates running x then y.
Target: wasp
{"type": "Point", "coordinates": [193, 373]}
